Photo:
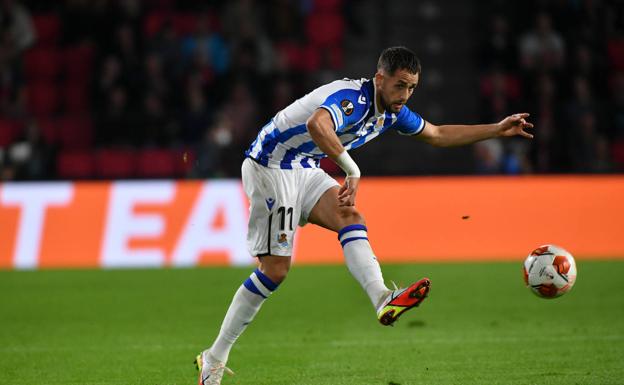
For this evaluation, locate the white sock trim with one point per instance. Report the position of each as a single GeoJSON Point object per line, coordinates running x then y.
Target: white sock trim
{"type": "Point", "coordinates": [254, 278]}
{"type": "Point", "coordinates": [353, 234]}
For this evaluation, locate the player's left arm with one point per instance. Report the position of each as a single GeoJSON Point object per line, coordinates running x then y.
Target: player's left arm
{"type": "Point", "coordinates": [457, 134]}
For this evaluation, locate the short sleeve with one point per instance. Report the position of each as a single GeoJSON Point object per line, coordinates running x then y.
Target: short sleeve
{"type": "Point", "coordinates": [345, 107]}
{"type": "Point", "coordinates": [409, 122]}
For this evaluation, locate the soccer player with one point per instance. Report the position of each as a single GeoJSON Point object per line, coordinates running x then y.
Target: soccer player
{"type": "Point", "coordinates": [286, 187]}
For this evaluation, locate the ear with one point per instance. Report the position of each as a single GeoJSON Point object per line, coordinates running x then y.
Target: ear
{"type": "Point", "coordinates": [378, 77]}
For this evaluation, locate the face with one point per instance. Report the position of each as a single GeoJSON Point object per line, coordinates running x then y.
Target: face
{"type": "Point", "coordinates": [394, 90]}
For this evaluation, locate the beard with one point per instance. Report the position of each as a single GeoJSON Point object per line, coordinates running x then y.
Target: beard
{"type": "Point", "coordinates": [393, 106]}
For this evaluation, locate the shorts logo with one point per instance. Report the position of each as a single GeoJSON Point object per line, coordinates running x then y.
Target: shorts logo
{"type": "Point", "coordinates": [270, 202]}
{"type": "Point", "coordinates": [347, 107]}
{"type": "Point", "coordinates": [282, 240]}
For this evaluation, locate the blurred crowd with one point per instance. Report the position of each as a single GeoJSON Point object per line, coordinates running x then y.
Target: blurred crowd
{"type": "Point", "coordinates": [563, 61]}
{"type": "Point", "coordinates": [164, 88]}
{"type": "Point", "coordinates": [94, 89]}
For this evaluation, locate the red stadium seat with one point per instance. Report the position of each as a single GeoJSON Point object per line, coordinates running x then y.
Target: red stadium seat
{"type": "Point", "coordinates": [115, 163]}
{"type": "Point", "coordinates": [184, 159]}
{"type": "Point", "coordinates": [617, 151]}
{"type": "Point", "coordinates": [291, 54]}
{"type": "Point", "coordinates": [327, 5]}
{"type": "Point", "coordinates": [311, 59]}
{"type": "Point", "coordinates": [78, 62]}
{"type": "Point", "coordinates": [76, 98]}
{"type": "Point", "coordinates": [184, 23]}
{"type": "Point", "coordinates": [49, 130]}
{"type": "Point", "coordinates": [9, 131]}
{"type": "Point", "coordinates": [48, 28]}
{"type": "Point", "coordinates": [42, 98]}
{"type": "Point", "coordinates": [154, 22]}
{"type": "Point", "coordinates": [334, 57]}
{"type": "Point", "coordinates": [156, 163]}
{"type": "Point", "coordinates": [75, 164]}
{"type": "Point", "coordinates": [325, 29]}
{"type": "Point", "coordinates": [42, 64]}
{"type": "Point", "coordinates": [615, 53]}
{"type": "Point", "coordinates": [75, 132]}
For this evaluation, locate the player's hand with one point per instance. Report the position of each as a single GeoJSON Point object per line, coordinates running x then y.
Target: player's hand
{"type": "Point", "coordinates": [346, 194]}
{"type": "Point", "coordinates": [515, 125]}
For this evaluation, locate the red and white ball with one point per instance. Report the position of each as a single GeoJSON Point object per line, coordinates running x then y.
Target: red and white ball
{"type": "Point", "coordinates": [549, 271]}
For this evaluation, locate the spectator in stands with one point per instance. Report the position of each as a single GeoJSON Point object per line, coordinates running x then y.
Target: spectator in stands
{"type": "Point", "coordinates": [242, 111]}
{"type": "Point", "coordinates": [284, 21]}
{"type": "Point", "coordinates": [236, 11]}
{"type": "Point", "coordinates": [16, 30]}
{"type": "Point", "coordinates": [30, 156]}
{"type": "Point", "coordinates": [154, 79]}
{"type": "Point", "coordinates": [282, 95]}
{"type": "Point", "coordinates": [548, 154]}
{"type": "Point", "coordinates": [588, 148]}
{"type": "Point", "coordinates": [127, 48]}
{"type": "Point", "coordinates": [252, 51]}
{"type": "Point", "coordinates": [196, 117]}
{"type": "Point", "coordinates": [215, 151]}
{"type": "Point", "coordinates": [498, 45]}
{"type": "Point", "coordinates": [617, 106]}
{"type": "Point", "coordinates": [166, 44]}
{"type": "Point", "coordinates": [208, 154]}
{"type": "Point", "coordinates": [489, 156]}
{"type": "Point", "coordinates": [117, 121]}
{"type": "Point", "coordinates": [582, 100]}
{"type": "Point", "coordinates": [156, 126]}
{"type": "Point", "coordinates": [205, 48]}
{"type": "Point", "coordinates": [500, 92]}
{"type": "Point", "coordinates": [16, 35]}
{"type": "Point", "coordinates": [585, 63]}
{"type": "Point", "coordinates": [542, 47]}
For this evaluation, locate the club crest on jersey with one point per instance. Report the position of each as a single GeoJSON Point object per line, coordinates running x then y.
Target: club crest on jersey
{"type": "Point", "coordinates": [282, 240]}
{"type": "Point", "coordinates": [347, 107]}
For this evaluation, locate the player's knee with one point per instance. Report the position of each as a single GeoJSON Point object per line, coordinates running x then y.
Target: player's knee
{"type": "Point", "coordinates": [350, 216]}
{"type": "Point", "coordinates": [276, 269]}
{"type": "Point", "coordinates": [277, 275]}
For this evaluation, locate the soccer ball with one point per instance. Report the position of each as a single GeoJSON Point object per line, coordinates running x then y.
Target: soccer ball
{"type": "Point", "coordinates": [549, 271]}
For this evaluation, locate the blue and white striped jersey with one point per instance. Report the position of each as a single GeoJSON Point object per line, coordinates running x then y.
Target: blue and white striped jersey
{"type": "Point", "coordinates": [285, 142]}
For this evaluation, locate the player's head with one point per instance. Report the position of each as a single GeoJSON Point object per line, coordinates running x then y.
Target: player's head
{"type": "Point", "coordinates": [398, 71]}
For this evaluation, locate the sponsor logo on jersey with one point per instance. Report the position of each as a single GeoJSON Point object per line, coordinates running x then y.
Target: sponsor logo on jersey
{"type": "Point", "coordinates": [362, 99]}
{"type": "Point", "coordinates": [270, 202]}
{"type": "Point", "coordinates": [347, 107]}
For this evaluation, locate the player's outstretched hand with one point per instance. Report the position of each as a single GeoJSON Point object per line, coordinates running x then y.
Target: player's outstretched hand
{"type": "Point", "coordinates": [515, 125]}
{"type": "Point", "coordinates": [346, 194]}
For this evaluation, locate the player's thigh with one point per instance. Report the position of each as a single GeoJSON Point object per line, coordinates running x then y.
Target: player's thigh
{"type": "Point", "coordinates": [328, 214]}
{"type": "Point", "coordinates": [273, 209]}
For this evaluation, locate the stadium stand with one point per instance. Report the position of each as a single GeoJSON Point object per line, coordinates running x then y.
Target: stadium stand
{"type": "Point", "coordinates": [158, 79]}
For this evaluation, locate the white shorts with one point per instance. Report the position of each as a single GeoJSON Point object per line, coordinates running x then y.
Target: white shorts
{"type": "Point", "coordinates": [279, 200]}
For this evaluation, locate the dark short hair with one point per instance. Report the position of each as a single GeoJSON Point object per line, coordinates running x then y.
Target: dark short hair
{"type": "Point", "coordinates": [395, 58]}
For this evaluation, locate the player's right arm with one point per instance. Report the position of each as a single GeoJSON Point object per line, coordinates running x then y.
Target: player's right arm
{"type": "Point", "coordinates": [321, 128]}
{"type": "Point", "coordinates": [458, 135]}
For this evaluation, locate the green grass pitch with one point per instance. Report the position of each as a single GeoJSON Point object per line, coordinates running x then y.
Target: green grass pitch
{"type": "Point", "coordinates": [480, 325]}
